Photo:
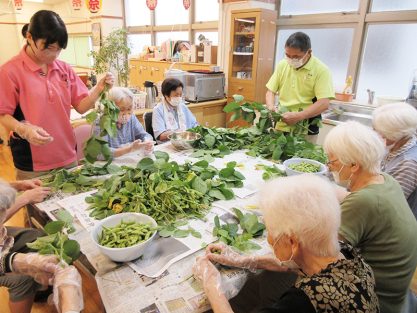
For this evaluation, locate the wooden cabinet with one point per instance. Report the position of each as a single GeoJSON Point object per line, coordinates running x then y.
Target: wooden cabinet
{"type": "Point", "coordinates": [251, 55]}
{"type": "Point", "coordinates": [141, 70]}
{"type": "Point", "coordinates": [208, 113]}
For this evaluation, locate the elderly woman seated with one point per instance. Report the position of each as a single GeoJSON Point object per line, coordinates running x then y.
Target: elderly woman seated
{"type": "Point", "coordinates": [23, 274]}
{"type": "Point", "coordinates": [171, 114]}
{"type": "Point", "coordinates": [130, 135]}
{"type": "Point", "coordinates": [376, 217]}
{"type": "Point", "coordinates": [302, 217]}
{"type": "Point", "coordinates": [397, 124]}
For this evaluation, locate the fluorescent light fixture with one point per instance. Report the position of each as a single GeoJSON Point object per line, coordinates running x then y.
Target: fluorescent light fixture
{"type": "Point", "coordinates": [37, 1]}
{"type": "Point", "coordinates": [245, 21]}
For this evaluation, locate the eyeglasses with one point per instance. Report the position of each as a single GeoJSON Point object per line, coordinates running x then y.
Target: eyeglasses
{"type": "Point", "coordinates": [330, 162]}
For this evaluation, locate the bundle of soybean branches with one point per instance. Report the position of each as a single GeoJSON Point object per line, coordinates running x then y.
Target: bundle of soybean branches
{"type": "Point", "coordinates": [261, 139]}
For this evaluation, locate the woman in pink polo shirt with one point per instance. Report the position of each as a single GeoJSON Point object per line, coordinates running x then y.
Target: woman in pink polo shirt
{"type": "Point", "coordinates": [37, 92]}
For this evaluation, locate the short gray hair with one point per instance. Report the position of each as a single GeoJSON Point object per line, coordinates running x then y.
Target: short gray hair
{"type": "Point", "coordinates": [354, 143]}
{"type": "Point", "coordinates": [117, 94]}
{"type": "Point", "coordinates": [7, 198]}
{"type": "Point", "coordinates": [395, 121]}
{"type": "Point", "coordinates": [305, 206]}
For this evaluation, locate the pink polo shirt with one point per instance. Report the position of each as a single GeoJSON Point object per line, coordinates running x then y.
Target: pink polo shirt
{"type": "Point", "coordinates": [45, 101]}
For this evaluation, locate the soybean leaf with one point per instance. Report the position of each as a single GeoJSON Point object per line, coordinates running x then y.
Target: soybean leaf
{"type": "Point", "coordinates": [69, 188]}
{"type": "Point", "coordinates": [230, 107]}
{"type": "Point", "coordinates": [114, 169]}
{"type": "Point", "coordinates": [161, 155]}
{"type": "Point", "coordinates": [226, 172]}
{"type": "Point", "coordinates": [238, 213]}
{"type": "Point", "coordinates": [165, 233]}
{"type": "Point", "coordinates": [145, 164]}
{"type": "Point", "coordinates": [217, 221]}
{"type": "Point", "coordinates": [54, 227]}
{"type": "Point", "coordinates": [215, 193]}
{"type": "Point", "coordinates": [195, 233]}
{"type": "Point", "coordinates": [72, 249]}
{"type": "Point", "coordinates": [65, 216]}
{"type": "Point", "coordinates": [91, 117]}
{"type": "Point", "coordinates": [199, 185]}
{"type": "Point", "coordinates": [209, 140]}
{"type": "Point", "coordinates": [180, 233]}
{"type": "Point", "coordinates": [227, 193]}
{"type": "Point", "coordinates": [180, 223]}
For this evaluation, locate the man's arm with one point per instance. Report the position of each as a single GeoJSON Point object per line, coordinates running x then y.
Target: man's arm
{"type": "Point", "coordinates": [270, 100]}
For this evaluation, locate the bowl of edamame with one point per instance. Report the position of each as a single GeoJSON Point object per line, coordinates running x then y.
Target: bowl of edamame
{"type": "Point", "coordinates": [296, 166]}
{"type": "Point", "coordinates": [124, 237]}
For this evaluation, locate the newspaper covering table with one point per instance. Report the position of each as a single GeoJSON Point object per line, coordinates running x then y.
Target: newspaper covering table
{"type": "Point", "coordinates": [163, 281]}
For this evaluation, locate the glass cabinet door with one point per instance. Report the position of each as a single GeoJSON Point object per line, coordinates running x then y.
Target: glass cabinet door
{"type": "Point", "coordinates": [243, 47]}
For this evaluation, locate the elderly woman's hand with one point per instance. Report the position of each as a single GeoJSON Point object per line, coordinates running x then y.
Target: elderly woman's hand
{"type": "Point", "coordinates": [35, 195]}
{"type": "Point", "coordinates": [40, 267]}
{"type": "Point", "coordinates": [68, 296]}
{"type": "Point", "coordinates": [225, 255]}
{"type": "Point", "coordinates": [205, 271]}
{"type": "Point", "coordinates": [22, 185]}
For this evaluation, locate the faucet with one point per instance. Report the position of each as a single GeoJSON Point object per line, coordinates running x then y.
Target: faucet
{"type": "Point", "coordinates": [371, 95]}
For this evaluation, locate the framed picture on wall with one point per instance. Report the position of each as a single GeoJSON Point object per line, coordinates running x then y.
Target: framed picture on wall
{"type": "Point", "coordinates": [96, 32]}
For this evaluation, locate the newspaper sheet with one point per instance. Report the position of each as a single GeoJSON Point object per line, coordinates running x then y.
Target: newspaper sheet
{"type": "Point", "coordinates": [165, 274]}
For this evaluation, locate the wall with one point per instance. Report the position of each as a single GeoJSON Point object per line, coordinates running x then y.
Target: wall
{"type": "Point", "coordinates": [225, 27]}
{"type": "Point", "coordinates": [78, 22]}
{"type": "Point", "coordinates": [11, 23]}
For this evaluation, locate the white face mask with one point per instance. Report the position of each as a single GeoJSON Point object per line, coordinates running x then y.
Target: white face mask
{"type": "Point", "coordinates": [123, 118]}
{"type": "Point", "coordinates": [288, 263]}
{"type": "Point", "coordinates": [295, 63]}
{"type": "Point", "coordinates": [175, 101]}
{"type": "Point", "coordinates": [343, 183]}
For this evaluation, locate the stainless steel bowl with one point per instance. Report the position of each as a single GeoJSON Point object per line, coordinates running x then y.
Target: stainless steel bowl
{"type": "Point", "coordinates": [183, 140]}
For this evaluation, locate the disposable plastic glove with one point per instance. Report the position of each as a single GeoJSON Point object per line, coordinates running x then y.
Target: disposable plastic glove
{"type": "Point", "coordinates": [207, 273]}
{"type": "Point", "coordinates": [68, 295]}
{"type": "Point", "coordinates": [223, 254]}
{"type": "Point", "coordinates": [35, 195]}
{"type": "Point", "coordinates": [22, 185]}
{"type": "Point", "coordinates": [107, 80]}
{"type": "Point", "coordinates": [40, 267]}
{"type": "Point", "coordinates": [33, 134]}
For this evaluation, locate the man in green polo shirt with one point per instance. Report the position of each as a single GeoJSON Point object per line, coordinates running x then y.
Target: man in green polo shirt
{"type": "Point", "coordinates": [303, 83]}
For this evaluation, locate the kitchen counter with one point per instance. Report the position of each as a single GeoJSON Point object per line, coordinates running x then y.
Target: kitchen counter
{"type": "Point", "coordinates": [208, 113]}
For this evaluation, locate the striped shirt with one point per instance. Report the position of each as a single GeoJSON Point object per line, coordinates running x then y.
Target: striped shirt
{"type": "Point", "coordinates": [402, 165]}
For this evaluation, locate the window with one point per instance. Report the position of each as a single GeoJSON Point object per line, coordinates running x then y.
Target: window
{"type": "Point", "coordinates": [137, 42]}
{"type": "Point", "coordinates": [389, 60]}
{"type": "Point", "coordinates": [162, 36]}
{"type": "Point", "coordinates": [393, 5]}
{"type": "Point", "coordinates": [213, 36]}
{"type": "Point", "coordinates": [170, 20]}
{"type": "Point", "coordinates": [206, 10]}
{"type": "Point", "coordinates": [77, 51]}
{"type": "Point", "coordinates": [297, 7]}
{"type": "Point", "coordinates": [331, 46]}
{"type": "Point", "coordinates": [137, 13]}
{"type": "Point", "coordinates": [170, 12]}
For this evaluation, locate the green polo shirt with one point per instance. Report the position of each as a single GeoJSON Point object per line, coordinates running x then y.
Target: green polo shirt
{"type": "Point", "coordinates": [297, 87]}
{"type": "Point", "coordinates": [378, 221]}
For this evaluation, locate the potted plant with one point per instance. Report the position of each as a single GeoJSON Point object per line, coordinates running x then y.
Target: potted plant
{"type": "Point", "coordinates": [113, 55]}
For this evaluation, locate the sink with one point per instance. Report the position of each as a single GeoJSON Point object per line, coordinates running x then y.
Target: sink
{"type": "Point", "coordinates": [348, 116]}
{"type": "Point", "coordinates": [348, 112]}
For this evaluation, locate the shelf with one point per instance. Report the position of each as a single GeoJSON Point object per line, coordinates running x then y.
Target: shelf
{"type": "Point", "coordinates": [245, 34]}
{"type": "Point", "coordinates": [242, 53]}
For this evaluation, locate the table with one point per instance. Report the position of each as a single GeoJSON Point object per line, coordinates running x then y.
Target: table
{"type": "Point", "coordinates": [175, 290]}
